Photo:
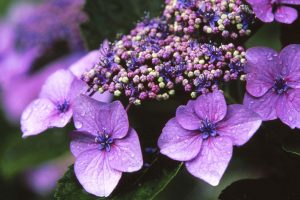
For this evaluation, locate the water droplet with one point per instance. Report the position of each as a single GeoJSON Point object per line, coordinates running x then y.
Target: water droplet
{"type": "Point", "coordinates": [78, 124]}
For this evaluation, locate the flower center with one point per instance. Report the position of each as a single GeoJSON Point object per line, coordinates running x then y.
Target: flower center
{"type": "Point", "coordinates": [208, 129]}
{"type": "Point", "coordinates": [63, 107]}
{"type": "Point", "coordinates": [104, 140]}
{"type": "Point", "coordinates": [280, 86]}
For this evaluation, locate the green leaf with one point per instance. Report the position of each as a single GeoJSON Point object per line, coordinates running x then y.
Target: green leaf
{"type": "Point", "coordinates": [19, 154]}
{"type": "Point", "coordinates": [107, 18]}
{"type": "Point", "coordinates": [144, 185]}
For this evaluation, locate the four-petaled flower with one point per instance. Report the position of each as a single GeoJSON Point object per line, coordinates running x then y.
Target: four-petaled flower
{"type": "Point", "coordinates": [203, 134]}
{"type": "Point", "coordinates": [53, 108]}
{"type": "Point", "coordinates": [273, 84]}
{"type": "Point", "coordinates": [268, 10]}
{"type": "Point", "coordinates": [104, 145]}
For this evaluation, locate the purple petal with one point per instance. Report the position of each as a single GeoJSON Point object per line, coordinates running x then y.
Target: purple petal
{"type": "Point", "coordinates": [57, 86]}
{"type": "Point", "coordinates": [262, 69]}
{"type": "Point", "coordinates": [211, 106]}
{"type": "Point", "coordinates": [126, 154]}
{"type": "Point", "coordinates": [117, 120]}
{"type": "Point", "coordinates": [81, 142]}
{"type": "Point", "coordinates": [6, 38]}
{"type": "Point", "coordinates": [212, 160]}
{"type": "Point", "coordinates": [10, 65]}
{"type": "Point", "coordinates": [291, 2]}
{"type": "Point", "coordinates": [187, 118]}
{"type": "Point", "coordinates": [239, 124]}
{"type": "Point", "coordinates": [290, 58]}
{"type": "Point", "coordinates": [262, 9]}
{"type": "Point", "coordinates": [77, 88]}
{"type": "Point", "coordinates": [86, 113]}
{"type": "Point", "coordinates": [104, 49]}
{"type": "Point", "coordinates": [288, 108]}
{"type": "Point", "coordinates": [36, 117]}
{"type": "Point", "coordinates": [84, 64]}
{"type": "Point", "coordinates": [285, 14]}
{"type": "Point", "coordinates": [178, 143]}
{"type": "Point", "coordinates": [105, 97]}
{"type": "Point", "coordinates": [264, 106]}
{"type": "Point", "coordinates": [93, 116]}
{"type": "Point", "coordinates": [94, 173]}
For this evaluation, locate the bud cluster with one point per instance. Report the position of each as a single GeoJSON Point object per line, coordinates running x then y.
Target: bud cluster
{"type": "Point", "coordinates": [224, 19]}
{"type": "Point", "coordinates": [156, 59]}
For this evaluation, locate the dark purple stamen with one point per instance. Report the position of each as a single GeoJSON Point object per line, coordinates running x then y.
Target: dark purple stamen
{"type": "Point", "coordinates": [211, 18]}
{"type": "Point", "coordinates": [104, 140]}
{"type": "Point", "coordinates": [207, 129]}
{"type": "Point", "coordinates": [280, 86]}
{"type": "Point", "coordinates": [63, 107]}
{"type": "Point", "coordinates": [213, 52]}
{"type": "Point", "coordinates": [202, 83]}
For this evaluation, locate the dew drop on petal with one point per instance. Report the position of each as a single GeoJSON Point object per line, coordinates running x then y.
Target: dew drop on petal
{"type": "Point", "coordinates": [78, 125]}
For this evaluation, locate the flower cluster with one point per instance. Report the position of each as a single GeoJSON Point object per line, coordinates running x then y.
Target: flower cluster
{"type": "Point", "coordinates": [158, 57]}
{"type": "Point", "coordinates": [193, 47]}
{"type": "Point", "coordinates": [228, 20]}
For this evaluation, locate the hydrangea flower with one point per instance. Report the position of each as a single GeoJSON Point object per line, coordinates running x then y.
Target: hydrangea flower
{"type": "Point", "coordinates": [53, 108]}
{"type": "Point", "coordinates": [21, 90]}
{"type": "Point", "coordinates": [273, 84]}
{"type": "Point", "coordinates": [268, 10]}
{"type": "Point", "coordinates": [204, 132]}
{"type": "Point", "coordinates": [104, 145]}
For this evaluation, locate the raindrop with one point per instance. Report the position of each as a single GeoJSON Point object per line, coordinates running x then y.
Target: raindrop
{"type": "Point", "coordinates": [78, 124]}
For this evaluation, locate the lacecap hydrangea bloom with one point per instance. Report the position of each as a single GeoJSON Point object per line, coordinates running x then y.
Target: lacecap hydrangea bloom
{"type": "Point", "coordinates": [204, 132]}
{"type": "Point", "coordinates": [104, 145]}
{"type": "Point", "coordinates": [279, 10]}
{"type": "Point", "coordinates": [273, 83]}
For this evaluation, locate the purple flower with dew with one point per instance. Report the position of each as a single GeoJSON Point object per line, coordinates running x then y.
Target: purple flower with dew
{"type": "Point", "coordinates": [104, 145]}
{"type": "Point", "coordinates": [270, 10]}
{"type": "Point", "coordinates": [53, 108]}
{"type": "Point", "coordinates": [20, 90]}
{"type": "Point", "coordinates": [204, 132]}
{"type": "Point", "coordinates": [273, 83]}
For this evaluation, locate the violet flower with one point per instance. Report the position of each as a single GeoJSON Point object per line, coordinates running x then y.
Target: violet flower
{"type": "Point", "coordinates": [53, 108]}
{"type": "Point", "coordinates": [203, 134]}
{"type": "Point", "coordinates": [268, 10]}
{"type": "Point", "coordinates": [21, 90]}
{"type": "Point", "coordinates": [104, 145]}
{"type": "Point", "coordinates": [273, 82]}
